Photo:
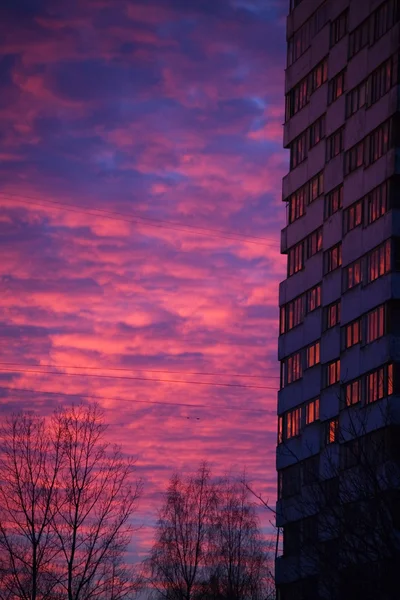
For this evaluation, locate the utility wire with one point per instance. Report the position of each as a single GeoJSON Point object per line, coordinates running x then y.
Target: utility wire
{"type": "Point", "coordinates": [133, 370]}
{"type": "Point", "coordinates": [151, 222]}
{"type": "Point", "coordinates": [218, 384]}
{"type": "Point", "coordinates": [95, 397]}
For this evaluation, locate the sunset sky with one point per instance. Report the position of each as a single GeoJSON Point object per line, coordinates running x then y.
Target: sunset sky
{"type": "Point", "coordinates": [140, 195]}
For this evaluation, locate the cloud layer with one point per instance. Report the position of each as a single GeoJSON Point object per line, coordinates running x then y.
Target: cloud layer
{"type": "Point", "coordinates": [140, 177]}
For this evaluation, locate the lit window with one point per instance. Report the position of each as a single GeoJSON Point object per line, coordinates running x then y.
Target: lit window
{"type": "Point", "coordinates": [333, 372]}
{"type": "Point", "coordinates": [375, 323]}
{"type": "Point", "coordinates": [317, 131]}
{"type": "Point", "coordinates": [312, 411]}
{"type": "Point", "coordinates": [378, 261]}
{"type": "Point", "coordinates": [352, 216]}
{"type": "Point", "coordinates": [293, 423]}
{"type": "Point", "coordinates": [353, 392]}
{"type": "Point", "coordinates": [332, 431]}
{"type": "Point", "coordinates": [333, 258]}
{"type": "Point", "coordinates": [378, 202]}
{"type": "Point", "coordinates": [292, 369]}
{"type": "Point", "coordinates": [335, 144]}
{"type": "Point", "coordinates": [336, 87]}
{"type": "Point", "coordinates": [352, 275]}
{"type": "Point", "coordinates": [352, 334]}
{"type": "Point", "coordinates": [295, 259]}
{"type": "Point", "coordinates": [333, 201]}
{"type": "Point", "coordinates": [313, 354]}
{"type": "Point", "coordinates": [332, 314]}
{"type": "Point", "coordinates": [280, 429]}
{"type": "Point", "coordinates": [314, 298]}
{"type": "Point", "coordinates": [314, 242]}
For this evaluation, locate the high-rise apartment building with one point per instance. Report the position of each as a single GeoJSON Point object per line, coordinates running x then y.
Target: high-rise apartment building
{"type": "Point", "coordinates": [339, 343]}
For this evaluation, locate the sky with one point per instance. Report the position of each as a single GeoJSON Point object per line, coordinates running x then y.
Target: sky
{"type": "Point", "coordinates": [140, 207]}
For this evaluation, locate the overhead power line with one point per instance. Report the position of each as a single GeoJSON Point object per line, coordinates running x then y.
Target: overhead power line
{"type": "Point", "coordinates": [135, 401]}
{"type": "Point", "coordinates": [136, 370]}
{"type": "Point", "coordinates": [126, 377]}
{"type": "Point", "coordinates": [141, 220]}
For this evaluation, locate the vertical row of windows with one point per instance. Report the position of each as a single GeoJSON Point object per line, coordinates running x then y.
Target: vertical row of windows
{"type": "Point", "coordinates": [305, 141]}
{"type": "Point", "coordinates": [293, 313]}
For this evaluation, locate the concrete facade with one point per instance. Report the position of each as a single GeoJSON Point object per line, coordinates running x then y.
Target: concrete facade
{"type": "Point", "coordinates": [338, 304]}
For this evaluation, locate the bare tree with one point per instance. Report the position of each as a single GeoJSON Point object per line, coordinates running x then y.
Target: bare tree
{"type": "Point", "coordinates": [239, 565]}
{"type": "Point", "coordinates": [208, 543]}
{"type": "Point", "coordinates": [182, 535]}
{"type": "Point", "coordinates": [66, 501]}
{"type": "Point", "coordinates": [29, 467]}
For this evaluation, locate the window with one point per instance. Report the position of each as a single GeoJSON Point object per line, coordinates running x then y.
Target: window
{"type": "Point", "coordinates": [312, 411]}
{"type": "Point", "coordinates": [352, 334]}
{"type": "Point", "coordinates": [332, 315]}
{"type": "Point", "coordinates": [354, 158]}
{"type": "Point", "coordinates": [333, 258]}
{"type": "Point", "coordinates": [313, 354]}
{"type": "Point", "coordinates": [299, 150]}
{"type": "Point", "coordinates": [382, 79]}
{"type": "Point", "coordinates": [292, 369]}
{"type": "Point", "coordinates": [356, 99]}
{"type": "Point", "coordinates": [297, 98]}
{"type": "Point", "coordinates": [352, 216]}
{"type": "Point", "coordinates": [384, 18]}
{"type": "Point", "coordinates": [352, 392]}
{"type": "Point", "coordinates": [304, 195]}
{"type": "Point", "coordinates": [359, 38]}
{"type": "Point", "coordinates": [280, 429]}
{"type": "Point", "coordinates": [293, 423]}
{"type": "Point", "coordinates": [332, 431]}
{"type": "Point", "coordinates": [333, 201]}
{"type": "Point", "coordinates": [339, 28]}
{"type": "Point", "coordinates": [314, 298]}
{"type": "Point", "coordinates": [289, 481]}
{"type": "Point", "coordinates": [378, 142]}
{"type": "Point", "coordinates": [333, 372]}
{"type": "Point", "coordinates": [317, 131]}
{"type": "Point", "coordinates": [379, 383]}
{"type": "Point", "coordinates": [375, 323]}
{"type": "Point", "coordinates": [296, 259]}
{"type": "Point", "coordinates": [319, 75]}
{"type": "Point", "coordinates": [352, 275]}
{"type": "Point", "coordinates": [334, 144]}
{"type": "Point", "coordinates": [297, 204]}
{"type": "Point", "coordinates": [314, 242]}
{"type": "Point", "coordinates": [293, 313]}
{"type": "Point", "coordinates": [336, 87]}
{"type": "Point", "coordinates": [378, 202]}
{"type": "Point", "coordinates": [316, 187]}
{"type": "Point", "coordinates": [301, 39]}
{"type": "Point", "coordinates": [378, 261]}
